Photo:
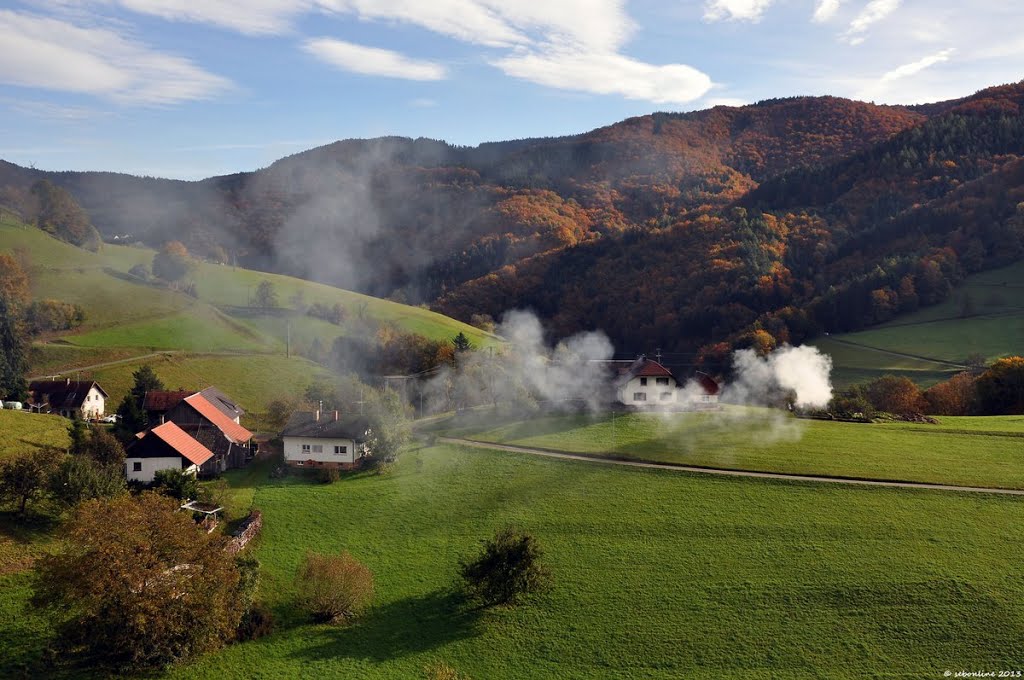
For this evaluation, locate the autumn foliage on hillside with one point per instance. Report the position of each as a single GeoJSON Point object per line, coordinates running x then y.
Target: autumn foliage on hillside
{"type": "Point", "coordinates": [696, 232]}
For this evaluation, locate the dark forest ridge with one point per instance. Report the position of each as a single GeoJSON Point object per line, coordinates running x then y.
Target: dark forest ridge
{"type": "Point", "coordinates": [694, 232]}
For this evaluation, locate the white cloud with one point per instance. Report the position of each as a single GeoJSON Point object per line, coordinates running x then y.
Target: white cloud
{"type": "Point", "coordinates": [873, 12]}
{"type": "Point", "coordinates": [608, 74]}
{"type": "Point", "coordinates": [739, 10]}
{"type": "Point", "coordinates": [48, 53]}
{"type": "Point", "coordinates": [372, 60]}
{"type": "Point", "coordinates": [41, 109]}
{"type": "Point", "coordinates": [825, 10]}
{"type": "Point", "coordinates": [252, 17]}
{"type": "Point", "coordinates": [883, 88]}
{"type": "Point", "coordinates": [424, 103]}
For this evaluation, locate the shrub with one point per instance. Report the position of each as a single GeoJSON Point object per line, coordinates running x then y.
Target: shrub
{"type": "Point", "coordinates": [507, 568]}
{"type": "Point", "coordinates": [327, 475]}
{"type": "Point", "coordinates": [176, 484]}
{"type": "Point", "coordinates": [334, 588]}
{"type": "Point", "coordinates": [257, 622]}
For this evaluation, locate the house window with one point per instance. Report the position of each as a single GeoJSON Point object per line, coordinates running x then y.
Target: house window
{"type": "Point", "coordinates": [88, 398]}
{"type": "Point", "coordinates": [643, 382]}
{"type": "Point", "coordinates": [305, 448]}
{"type": "Point", "coordinates": [639, 396]}
{"type": "Point", "coordinates": [665, 396]}
{"type": "Point", "coordinates": [318, 448]}
{"type": "Point", "coordinates": [137, 467]}
{"type": "Point", "coordinates": [340, 449]}
{"type": "Point", "coordinates": [661, 381]}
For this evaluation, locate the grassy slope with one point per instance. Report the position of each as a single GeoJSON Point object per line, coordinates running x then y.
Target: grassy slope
{"type": "Point", "coordinates": [127, 318]}
{"type": "Point", "coordinates": [964, 451]}
{"type": "Point", "coordinates": [940, 337]}
{"type": "Point", "coordinates": [656, 575]}
{"type": "Point", "coordinates": [21, 430]}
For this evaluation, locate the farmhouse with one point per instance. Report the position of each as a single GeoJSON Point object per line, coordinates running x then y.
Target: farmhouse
{"type": "Point", "coordinates": [165, 447]}
{"type": "Point", "coordinates": [315, 440]}
{"type": "Point", "coordinates": [84, 399]}
{"type": "Point", "coordinates": [204, 422]}
{"type": "Point", "coordinates": [645, 383]}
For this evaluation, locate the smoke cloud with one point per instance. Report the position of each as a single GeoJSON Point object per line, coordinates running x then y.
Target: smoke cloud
{"type": "Point", "coordinates": [803, 370]}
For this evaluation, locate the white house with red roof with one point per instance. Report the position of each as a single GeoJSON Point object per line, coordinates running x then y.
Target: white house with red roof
{"type": "Point", "coordinates": [165, 447]}
{"type": "Point", "coordinates": [645, 383]}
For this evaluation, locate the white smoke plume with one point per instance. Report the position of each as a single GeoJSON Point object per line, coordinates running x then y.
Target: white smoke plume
{"type": "Point", "coordinates": [804, 370]}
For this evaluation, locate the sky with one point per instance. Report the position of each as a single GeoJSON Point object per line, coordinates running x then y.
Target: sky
{"type": "Point", "coordinates": [193, 88]}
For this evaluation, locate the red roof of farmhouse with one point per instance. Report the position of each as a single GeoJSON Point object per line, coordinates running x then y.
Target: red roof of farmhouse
{"type": "Point", "coordinates": [180, 441]}
{"type": "Point", "coordinates": [230, 428]}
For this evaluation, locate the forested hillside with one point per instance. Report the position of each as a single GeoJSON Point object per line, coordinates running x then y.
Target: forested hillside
{"type": "Point", "coordinates": [698, 231]}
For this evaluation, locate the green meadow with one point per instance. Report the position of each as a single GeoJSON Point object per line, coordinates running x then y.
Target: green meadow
{"type": "Point", "coordinates": [984, 316]}
{"type": "Point", "coordinates": [966, 451]}
{"type": "Point", "coordinates": [655, 575]}
{"type": "Point", "coordinates": [23, 431]}
{"type": "Point", "coordinates": [215, 338]}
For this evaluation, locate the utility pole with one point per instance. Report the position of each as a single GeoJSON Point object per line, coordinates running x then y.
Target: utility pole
{"type": "Point", "coordinates": [657, 355]}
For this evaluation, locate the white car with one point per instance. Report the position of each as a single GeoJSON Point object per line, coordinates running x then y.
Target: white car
{"type": "Point", "coordinates": [112, 418]}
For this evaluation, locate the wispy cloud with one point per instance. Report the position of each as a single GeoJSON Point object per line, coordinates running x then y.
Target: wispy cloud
{"type": "Point", "coordinates": [423, 103]}
{"type": "Point", "coordinates": [372, 60]}
{"type": "Point", "coordinates": [48, 53]}
{"type": "Point", "coordinates": [608, 74]}
{"type": "Point", "coordinates": [883, 87]}
{"type": "Point", "coordinates": [52, 111]}
{"type": "Point", "coordinates": [736, 10]}
{"type": "Point", "coordinates": [825, 10]}
{"type": "Point", "coordinates": [873, 12]}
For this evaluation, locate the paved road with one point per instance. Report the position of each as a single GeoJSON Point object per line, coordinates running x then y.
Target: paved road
{"type": "Point", "coordinates": [728, 473]}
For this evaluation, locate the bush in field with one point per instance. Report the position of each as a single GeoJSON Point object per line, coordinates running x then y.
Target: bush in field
{"type": "Point", "coordinates": [898, 395]}
{"type": "Point", "coordinates": [957, 396]}
{"type": "Point", "coordinates": [27, 477]}
{"type": "Point", "coordinates": [334, 588]}
{"type": "Point", "coordinates": [1001, 387]}
{"type": "Point", "coordinates": [327, 475]}
{"type": "Point", "coordinates": [80, 478]}
{"type": "Point", "coordinates": [44, 316]}
{"type": "Point", "coordinates": [507, 568]}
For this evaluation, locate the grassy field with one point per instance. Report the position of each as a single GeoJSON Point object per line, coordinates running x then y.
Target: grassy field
{"type": "Point", "coordinates": [656, 575]}
{"type": "Point", "coordinates": [252, 379]}
{"type": "Point", "coordinates": [962, 451]}
{"type": "Point", "coordinates": [125, 306]}
{"type": "Point", "coordinates": [21, 431]}
{"type": "Point", "coordinates": [983, 316]}
{"type": "Point", "coordinates": [127, 318]}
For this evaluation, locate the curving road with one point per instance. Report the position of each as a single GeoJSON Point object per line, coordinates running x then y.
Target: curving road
{"type": "Point", "coordinates": [728, 473]}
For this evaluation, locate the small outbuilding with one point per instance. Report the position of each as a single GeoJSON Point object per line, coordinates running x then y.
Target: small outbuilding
{"type": "Point", "coordinates": [312, 439]}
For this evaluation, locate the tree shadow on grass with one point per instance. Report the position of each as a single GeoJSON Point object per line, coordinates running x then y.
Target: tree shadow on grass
{"type": "Point", "coordinates": [395, 630]}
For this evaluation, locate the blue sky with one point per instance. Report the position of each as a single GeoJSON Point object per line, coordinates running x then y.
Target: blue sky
{"type": "Point", "coordinates": [193, 88]}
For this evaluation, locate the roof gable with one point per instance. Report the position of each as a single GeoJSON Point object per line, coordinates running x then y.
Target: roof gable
{"type": "Point", "coordinates": [230, 428]}
{"type": "Point", "coordinates": [172, 438]}
{"type": "Point", "coordinates": [163, 400]}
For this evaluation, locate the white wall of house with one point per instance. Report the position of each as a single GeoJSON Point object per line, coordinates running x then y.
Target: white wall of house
{"type": "Point", "coordinates": [301, 449]}
{"type": "Point", "coordinates": [93, 405]}
{"type": "Point", "coordinates": [648, 391]}
{"type": "Point", "coordinates": [148, 467]}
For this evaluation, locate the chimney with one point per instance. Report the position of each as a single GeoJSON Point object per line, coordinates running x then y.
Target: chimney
{"type": "Point", "coordinates": [316, 414]}
{"type": "Point", "coordinates": [335, 415]}
{"type": "Point", "coordinates": [319, 407]}
{"type": "Point", "coordinates": [69, 382]}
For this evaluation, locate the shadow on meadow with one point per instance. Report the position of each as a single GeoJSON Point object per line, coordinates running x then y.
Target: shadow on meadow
{"type": "Point", "coordinates": [392, 631]}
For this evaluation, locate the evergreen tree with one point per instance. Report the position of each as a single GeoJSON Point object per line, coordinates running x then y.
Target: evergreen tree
{"type": "Point", "coordinates": [146, 380]}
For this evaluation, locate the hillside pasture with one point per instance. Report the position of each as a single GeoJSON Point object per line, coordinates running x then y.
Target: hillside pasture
{"type": "Point", "coordinates": [983, 316]}
{"type": "Point", "coordinates": [655, 575]}
{"type": "Point", "coordinates": [959, 451]}
{"type": "Point", "coordinates": [21, 431]}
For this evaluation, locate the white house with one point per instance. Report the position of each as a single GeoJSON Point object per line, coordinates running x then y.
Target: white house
{"type": "Point", "coordinates": [82, 398]}
{"type": "Point", "coordinates": [645, 383]}
{"type": "Point", "coordinates": [312, 439]}
{"type": "Point", "coordinates": [165, 447]}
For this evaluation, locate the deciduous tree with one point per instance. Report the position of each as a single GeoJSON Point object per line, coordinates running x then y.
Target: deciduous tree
{"type": "Point", "coordinates": [334, 588]}
{"type": "Point", "coordinates": [507, 568]}
{"type": "Point", "coordinates": [137, 585]}
{"type": "Point", "coordinates": [1001, 387]}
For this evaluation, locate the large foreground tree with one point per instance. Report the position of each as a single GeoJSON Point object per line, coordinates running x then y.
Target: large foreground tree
{"type": "Point", "coordinates": [137, 585]}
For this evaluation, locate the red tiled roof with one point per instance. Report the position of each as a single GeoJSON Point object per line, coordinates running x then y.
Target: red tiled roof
{"type": "Point", "coordinates": [230, 428]}
{"type": "Point", "coordinates": [178, 439]}
{"type": "Point", "coordinates": [709, 384]}
{"type": "Point", "coordinates": [651, 369]}
{"type": "Point", "coordinates": [163, 400]}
